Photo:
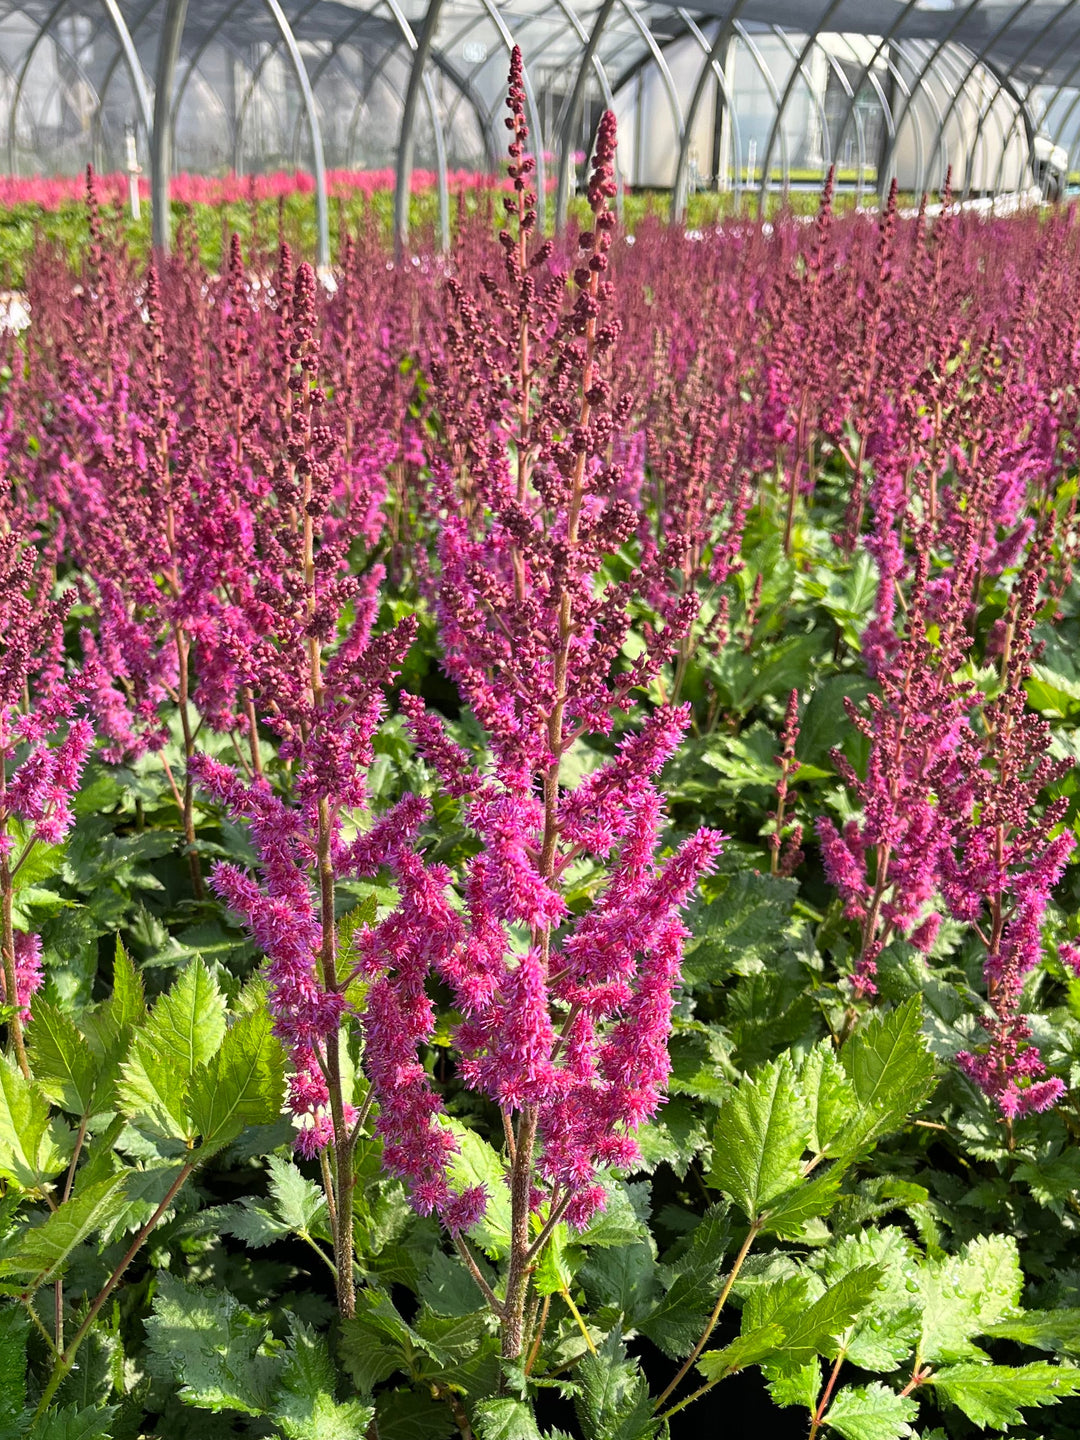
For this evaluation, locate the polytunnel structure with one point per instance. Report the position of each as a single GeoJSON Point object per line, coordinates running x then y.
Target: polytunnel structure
{"type": "Point", "coordinates": [738, 95]}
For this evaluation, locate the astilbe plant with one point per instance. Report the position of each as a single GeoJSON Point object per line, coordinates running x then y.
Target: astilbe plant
{"type": "Point", "coordinates": [1009, 854]}
{"type": "Point", "coordinates": [315, 676]}
{"type": "Point", "coordinates": [45, 738]}
{"type": "Point", "coordinates": [565, 1015]}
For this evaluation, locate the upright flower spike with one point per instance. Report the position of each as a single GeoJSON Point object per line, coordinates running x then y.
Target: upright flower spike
{"type": "Point", "coordinates": [1007, 858]}
{"type": "Point", "coordinates": [304, 654]}
{"type": "Point", "coordinates": [565, 1015]}
{"type": "Point", "coordinates": [44, 742]}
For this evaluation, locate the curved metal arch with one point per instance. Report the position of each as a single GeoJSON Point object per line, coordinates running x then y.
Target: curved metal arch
{"type": "Point", "coordinates": [773, 89]}
{"type": "Point", "coordinates": [978, 58]}
{"type": "Point", "coordinates": [974, 102]}
{"type": "Point", "coordinates": [439, 61]}
{"type": "Point", "coordinates": [307, 96]}
{"type": "Point", "coordinates": [800, 59]}
{"type": "Point", "coordinates": [867, 77]}
{"type": "Point", "coordinates": [852, 107]}
{"type": "Point", "coordinates": [532, 109]}
{"type": "Point", "coordinates": [466, 93]}
{"type": "Point", "coordinates": [421, 48]}
{"type": "Point", "coordinates": [1066, 84]}
{"type": "Point", "coordinates": [111, 68]}
{"type": "Point", "coordinates": [27, 60]}
{"type": "Point", "coordinates": [935, 51]}
{"type": "Point", "coordinates": [570, 15]}
{"type": "Point", "coordinates": [45, 32]}
{"type": "Point", "coordinates": [860, 131]}
{"type": "Point", "coordinates": [508, 41]}
{"type": "Point", "coordinates": [536, 17]}
{"type": "Point", "coordinates": [712, 62]}
{"type": "Point", "coordinates": [161, 139]}
{"type": "Point", "coordinates": [988, 110]}
{"type": "Point", "coordinates": [630, 8]}
{"type": "Point", "coordinates": [271, 52]}
{"type": "Point", "coordinates": [196, 70]}
{"type": "Point", "coordinates": [789, 89]}
{"type": "Point", "coordinates": [126, 52]}
{"type": "Point", "coordinates": [378, 76]}
{"type": "Point", "coordinates": [947, 73]}
{"type": "Point", "coordinates": [1032, 123]}
{"type": "Point", "coordinates": [138, 79]}
{"type": "Point", "coordinates": [572, 116]}
{"type": "Point", "coordinates": [881, 49]}
{"type": "Point", "coordinates": [1061, 130]}
{"type": "Point", "coordinates": [930, 95]}
{"type": "Point", "coordinates": [1005, 86]}
{"type": "Point", "coordinates": [1074, 146]}
{"type": "Point", "coordinates": [611, 32]}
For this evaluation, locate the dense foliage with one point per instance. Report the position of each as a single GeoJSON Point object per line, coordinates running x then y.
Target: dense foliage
{"type": "Point", "coordinates": [536, 830]}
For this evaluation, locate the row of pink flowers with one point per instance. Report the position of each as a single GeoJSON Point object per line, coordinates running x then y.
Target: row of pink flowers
{"type": "Point", "coordinates": [52, 192]}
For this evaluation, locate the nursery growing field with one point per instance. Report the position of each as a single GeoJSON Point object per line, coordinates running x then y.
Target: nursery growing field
{"type": "Point", "coordinates": [538, 816]}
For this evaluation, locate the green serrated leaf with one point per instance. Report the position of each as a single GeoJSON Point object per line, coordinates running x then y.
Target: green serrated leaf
{"type": "Point", "coordinates": [405, 1415]}
{"type": "Point", "coordinates": [476, 1163]}
{"type": "Point", "coordinates": [760, 1137]}
{"type": "Point", "coordinates": [63, 1063]}
{"type": "Point", "coordinates": [794, 1384]}
{"type": "Point", "coordinates": [994, 1395]}
{"type": "Point", "coordinates": [1057, 1330]}
{"type": "Point", "coordinates": [44, 1250]}
{"type": "Point", "coordinates": [811, 1326]}
{"type": "Point", "coordinates": [676, 1321]}
{"type": "Point", "coordinates": [884, 1338]}
{"type": "Point", "coordinates": [830, 1096]}
{"type": "Point", "coordinates": [213, 1347]}
{"type": "Point", "coordinates": [71, 1423]}
{"type": "Point", "coordinates": [750, 1348]}
{"type": "Point", "coordinates": [891, 1072]}
{"type": "Point", "coordinates": [300, 1202]}
{"type": "Point", "coordinates": [613, 1401]}
{"type": "Point", "coordinates": [304, 1407]}
{"type": "Point", "coordinates": [243, 1084]}
{"type": "Point", "coordinates": [962, 1294]}
{"type": "Point", "coordinates": [447, 1288]}
{"type": "Point", "coordinates": [14, 1332]}
{"type": "Point", "coordinates": [505, 1419]}
{"type": "Point", "coordinates": [366, 1357]}
{"type": "Point", "coordinates": [127, 1004]}
{"type": "Point", "coordinates": [871, 1412]}
{"type": "Point", "coordinates": [624, 1279]}
{"type": "Point", "coordinates": [183, 1033]}
{"type": "Point", "coordinates": [34, 1145]}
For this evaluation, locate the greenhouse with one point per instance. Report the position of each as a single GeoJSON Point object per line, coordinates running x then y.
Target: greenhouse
{"type": "Point", "coordinates": [746, 97]}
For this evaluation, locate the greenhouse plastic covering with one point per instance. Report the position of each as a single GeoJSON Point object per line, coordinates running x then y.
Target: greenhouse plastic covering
{"type": "Point", "coordinates": [739, 95]}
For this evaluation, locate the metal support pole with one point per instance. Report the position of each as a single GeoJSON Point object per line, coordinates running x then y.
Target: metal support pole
{"type": "Point", "coordinates": [605, 89]}
{"type": "Point", "coordinates": [709, 66]}
{"type": "Point", "coordinates": [916, 86]}
{"type": "Point", "coordinates": [161, 137]}
{"type": "Point", "coordinates": [406, 139]}
{"type": "Point", "coordinates": [532, 110]}
{"type": "Point", "coordinates": [962, 89]}
{"type": "Point", "coordinates": [796, 71]}
{"type": "Point", "coordinates": [138, 79]}
{"type": "Point", "coordinates": [307, 96]}
{"type": "Point", "coordinates": [725, 98]}
{"type": "Point", "coordinates": [572, 118]}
